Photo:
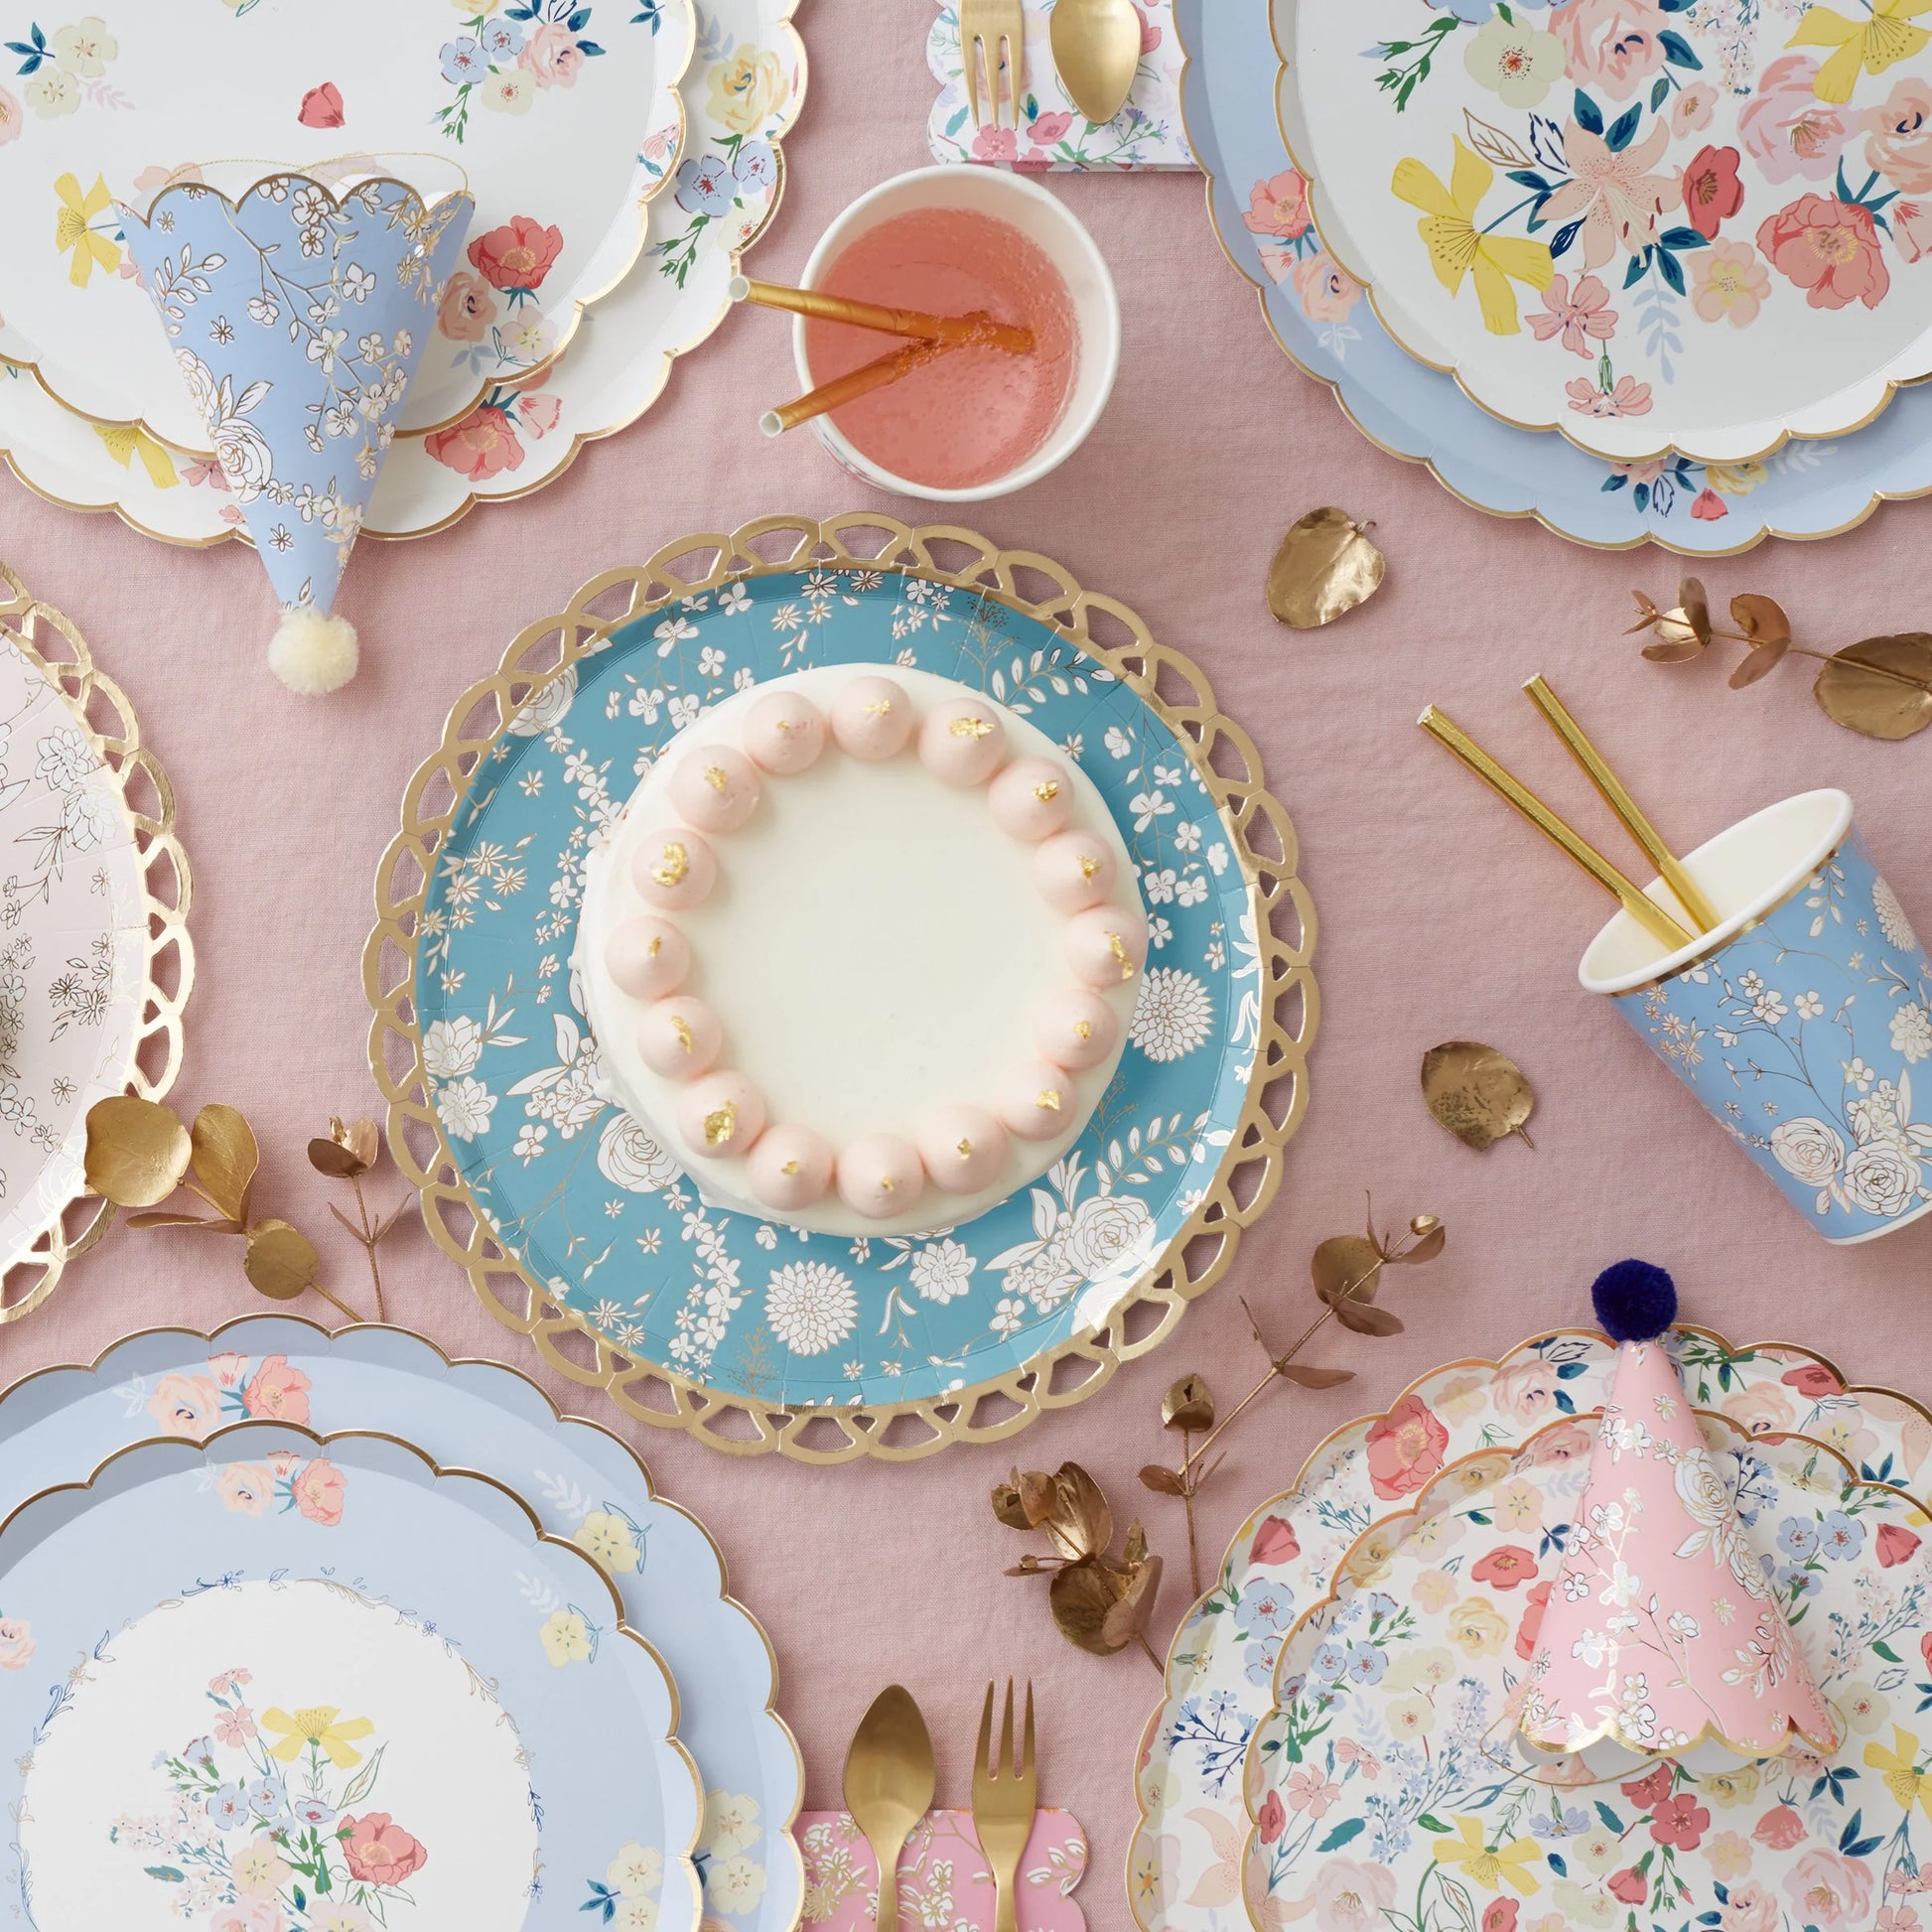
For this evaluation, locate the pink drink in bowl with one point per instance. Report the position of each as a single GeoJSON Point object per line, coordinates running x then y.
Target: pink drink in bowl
{"type": "Point", "coordinates": [975, 422]}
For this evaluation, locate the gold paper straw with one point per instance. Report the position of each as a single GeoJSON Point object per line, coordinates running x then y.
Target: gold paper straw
{"type": "Point", "coordinates": [846, 389]}
{"type": "Point", "coordinates": [1647, 912]}
{"type": "Point", "coordinates": [977, 328]}
{"type": "Point", "coordinates": [1681, 885]}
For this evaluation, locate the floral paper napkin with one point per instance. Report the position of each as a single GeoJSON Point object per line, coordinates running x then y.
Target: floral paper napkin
{"type": "Point", "coordinates": [943, 1880]}
{"type": "Point", "coordinates": [1146, 133]}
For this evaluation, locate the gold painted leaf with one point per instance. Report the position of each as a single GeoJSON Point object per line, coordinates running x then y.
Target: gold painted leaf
{"type": "Point", "coordinates": [1694, 608]}
{"type": "Point", "coordinates": [1762, 619]}
{"type": "Point", "coordinates": [1304, 1377]}
{"type": "Point", "coordinates": [1189, 1405]}
{"type": "Point", "coordinates": [1494, 146]}
{"type": "Point", "coordinates": [1006, 1505]}
{"type": "Point", "coordinates": [1083, 1597]}
{"type": "Point", "coordinates": [281, 1261]}
{"type": "Point", "coordinates": [1036, 1495]}
{"type": "Point", "coordinates": [1128, 1618]}
{"type": "Point", "coordinates": [1477, 1093]}
{"type": "Point", "coordinates": [162, 1218]}
{"type": "Point", "coordinates": [349, 1152]}
{"type": "Point", "coordinates": [225, 1158]}
{"type": "Point", "coordinates": [1854, 690]}
{"type": "Point", "coordinates": [1348, 1265]}
{"type": "Point", "coordinates": [1365, 1319]}
{"type": "Point", "coordinates": [1434, 1239]}
{"type": "Point", "coordinates": [1077, 1521]}
{"type": "Point", "coordinates": [1325, 567]}
{"type": "Point", "coordinates": [137, 1150]}
{"type": "Point", "coordinates": [1162, 1480]}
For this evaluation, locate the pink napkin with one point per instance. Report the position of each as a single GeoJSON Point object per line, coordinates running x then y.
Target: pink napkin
{"type": "Point", "coordinates": [943, 1880]}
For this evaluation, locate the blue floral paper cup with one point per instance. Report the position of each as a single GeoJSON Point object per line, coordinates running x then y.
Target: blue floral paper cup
{"type": "Point", "coordinates": [1800, 1020]}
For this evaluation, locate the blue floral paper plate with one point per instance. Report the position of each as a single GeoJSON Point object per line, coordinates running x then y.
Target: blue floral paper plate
{"type": "Point", "coordinates": [753, 1335]}
{"type": "Point", "coordinates": [1808, 489]}
{"type": "Point", "coordinates": [276, 1681]}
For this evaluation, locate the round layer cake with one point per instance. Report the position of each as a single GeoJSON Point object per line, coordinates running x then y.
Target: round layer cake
{"type": "Point", "coordinates": [862, 951]}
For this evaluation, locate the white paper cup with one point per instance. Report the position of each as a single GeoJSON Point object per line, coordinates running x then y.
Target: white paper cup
{"type": "Point", "coordinates": [1044, 221]}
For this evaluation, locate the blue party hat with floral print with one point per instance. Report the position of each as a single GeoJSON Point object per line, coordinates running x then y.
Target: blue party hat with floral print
{"type": "Point", "coordinates": [298, 306]}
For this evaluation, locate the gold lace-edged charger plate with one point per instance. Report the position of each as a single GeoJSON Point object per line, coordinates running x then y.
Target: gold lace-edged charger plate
{"type": "Point", "coordinates": [95, 961]}
{"type": "Point", "coordinates": [575, 1227]}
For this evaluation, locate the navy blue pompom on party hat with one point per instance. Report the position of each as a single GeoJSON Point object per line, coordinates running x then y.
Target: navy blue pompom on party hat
{"type": "Point", "coordinates": [1635, 1301]}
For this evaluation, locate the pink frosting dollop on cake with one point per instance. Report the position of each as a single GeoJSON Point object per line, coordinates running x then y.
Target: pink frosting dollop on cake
{"type": "Point", "coordinates": [872, 718]}
{"type": "Point", "coordinates": [647, 958]}
{"type": "Point", "coordinates": [962, 743]}
{"type": "Point", "coordinates": [1074, 871]}
{"type": "Point", "coordinates": [789, 1167]}
{"type": "Point", "coordinates": [679, 1038]}
{"type": "Point", "coordinates": [1031, 799]}
{"type": "Point", "coordinates": [784, 734]}
{"type": "Point", "coordinates": [1075, 1028]}
{"type": "Point", "coordinates": [721, 1115]}
{"type": "Point", "coordinates": [879, 1174]}
{"type": "Point", "coordinates": [715, 788]}
{"type": "Point", "coordinates": [1036, 1100]}
{"type": "Point", "coordinates": [964, 1149]}
{"type": "Point", "coordinates": [673, 868]}
{"type": "Point", "coordinates": [1106, 945]}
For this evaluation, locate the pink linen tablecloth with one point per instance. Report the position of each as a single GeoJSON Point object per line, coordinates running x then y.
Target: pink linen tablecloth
{"type": "Point", "coordinates": [1441, 916]}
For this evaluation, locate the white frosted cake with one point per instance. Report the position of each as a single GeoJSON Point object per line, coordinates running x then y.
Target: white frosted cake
{"type": "Point", "coordinates": [862, 951]}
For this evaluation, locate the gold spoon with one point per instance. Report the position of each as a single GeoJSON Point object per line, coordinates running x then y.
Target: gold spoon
{"type": "Point", "coordinates": [889, 1782]}
{"type": "Point", "coordinates": [1097, 49]}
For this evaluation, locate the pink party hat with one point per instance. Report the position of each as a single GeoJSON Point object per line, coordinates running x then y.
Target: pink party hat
{"type": "Point", "coordinates": [1662, 1631]}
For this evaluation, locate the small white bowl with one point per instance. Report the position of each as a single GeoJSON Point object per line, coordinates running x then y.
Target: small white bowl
{"type": "Point", "coordinates": [1044, 220]}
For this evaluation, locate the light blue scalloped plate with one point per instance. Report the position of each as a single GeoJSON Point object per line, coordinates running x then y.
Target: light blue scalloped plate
{"type": "Point", "coordinates": [601, 1216]}
{"type": "Point", "coordinates": [1806, 488]}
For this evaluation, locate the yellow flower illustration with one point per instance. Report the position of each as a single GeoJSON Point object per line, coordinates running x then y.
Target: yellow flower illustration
{"type": "Point", "coordinates": [1506, 1864]}
{"type": "Point", "coordinates": [1456, 248]}
{"type": "Point", "coordinates": [1875, 44]}
{"type": "Point", "coordinates": [124, 442]}
{"type": "Point", "coordinates": [317, 1725]}
{"type": "Point", "coordinates": [605, 1539]}
{"type": "Point", "coordinates": [1899, 1768]}
{"type": "Point", "coordinates": [1478, 1626]}
{"type": "Point", "coordinates": [73, 233]}
{"type": "Point", "coordinates": [566, 1638]}
{"type": "Point", "coordinates": [746, 87]}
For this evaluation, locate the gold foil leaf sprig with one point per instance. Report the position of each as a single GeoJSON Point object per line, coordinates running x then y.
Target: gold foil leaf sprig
{"type": "Point", "coordinates": [348, 1154]}
{"type": "Point", "coordinates": [1879, 687]}
{"type": "Point", "coordinates": [1100, 1602]}
{"type": "Point", "coordinates": [139, 1154]}
{"type": "Point", "coordinates": [1481, 1095]}
{"type": "Point", "coordinates": [1325, 567]}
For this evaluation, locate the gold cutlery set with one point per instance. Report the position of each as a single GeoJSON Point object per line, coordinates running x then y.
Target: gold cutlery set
{"type": "Point", "coordinates": [1096, 47]}
{"type": "Point", "coordinates": [889, 1787]}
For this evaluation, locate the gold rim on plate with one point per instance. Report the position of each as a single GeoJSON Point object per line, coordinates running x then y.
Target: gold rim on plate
{"type": "Point", "coordinates": [1256, 823]}
{"type": "Point", "coordinates": [52, 642]}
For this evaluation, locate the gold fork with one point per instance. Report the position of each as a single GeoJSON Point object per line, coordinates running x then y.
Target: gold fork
{"type": "Point", "coordinates": [1002, 1803]}
{"type": "Point", "coordinates": [993, 30]}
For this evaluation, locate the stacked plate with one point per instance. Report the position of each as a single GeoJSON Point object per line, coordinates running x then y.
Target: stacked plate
{"type": "Point", "coordinates": [1330, 1740]}
{"type": "Point", "coordinates": [1644, 211]}
{"type": "Point", "coordinates": [622, 165]}
{"type": "Point", "coordinates": [569, 1215]}
{"type": "Point", "coordinates": [328, 1632]}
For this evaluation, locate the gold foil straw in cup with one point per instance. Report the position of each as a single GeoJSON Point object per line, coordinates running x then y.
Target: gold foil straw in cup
{"type": "Point", "coordinates": [978, 328]}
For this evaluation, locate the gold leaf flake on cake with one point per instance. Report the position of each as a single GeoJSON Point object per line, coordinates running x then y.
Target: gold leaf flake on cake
{"type": "Point", "coordinates": [1048, 791]}
{"type": "Point", "coordinates": [721, 1125]}
{"type": "Point", "coordinates": [1120, 952]}
{"type": "Point", "coordinates": [653, 946]}
{"type": "Point", "coordinates": [682, 1028]}
{"type": "Point", "coordinates": [880, 708]}
{"type": "Point", "coordinates": [965, 1149]}
{"type": "Point", "coordinates": [1083, 1029]}
{"type": "Point", "coordinates": [791, 1166]}
{"type": "Point", "coordinates": [1049, 1098]}
{"type": "Point", "coordinates": [971, 728]}
{"type": "Point", "coordinates": [1089, 865]}
{"type": "Point", "coordinates": [886, 1182]}
{"type": "Point", "coordinates": [717, 777]}
{"type": "Point", "coordinates": [674, 865]}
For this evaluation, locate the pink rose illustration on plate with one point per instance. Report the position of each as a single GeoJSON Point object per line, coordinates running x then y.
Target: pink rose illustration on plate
{"type": "Point", "coordinates": [379, 1852]}
{"type": "Point", "coordinates": [467, 308]}
{"type": "Point", "coordinates": [318, 1492]}
{"type": "Point", "coordinates": [1615, 45]}
{"type": "Point", "coordinates": [16, 1642]}
{"type": "Point", "coordinates": [484, 445]}
{"type": "Point", "coordinates": [1830, 1891]}
{"type": "Point", "coordinates": [1750, 1908]}
{"type": "Point", "coordinates": [551, 55]}
{"type": "Point", "coordinates": [1786, 129]}
{"type": "Point", "coordinates": [1830, 249]}
{"type": "Point", "coordinates": [1900, 146]}
{"type": "Point", "coordinates": [1780, 1829]}
{"type": "Point", "coordinates": [186, 1405]}
{"type": "Point", "coordinates": [1047, 128]}
{"type": "Point", "coordinates": [1405, 1448]}
{"type": "Point", "coordinates": [1275, 1543]}
{"type": "Point", "coordinates": [517, 256]}
{"type": "Point", "coordinates": [245, 1487]}
{"type": "Point", "coordinates": [1327, 291]}
{"type": "Point", "coordinates": [1279, 207]}
{"type": "Point", "coordinates": [277, 1391]}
